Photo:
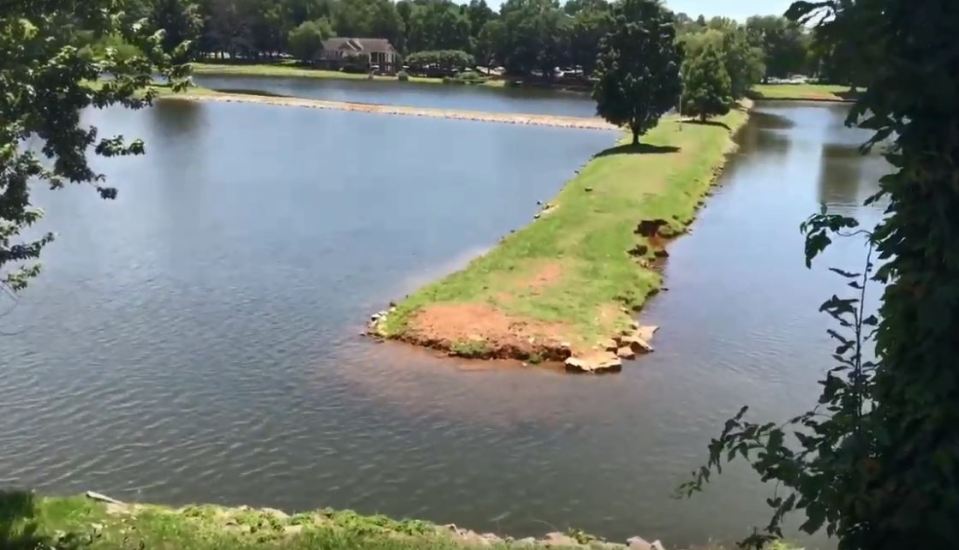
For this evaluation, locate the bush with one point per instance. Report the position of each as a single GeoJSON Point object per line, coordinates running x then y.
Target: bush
{"type": "Point", "coordinates": [440, 62]}
{"type": "Point", "coordinates": [465, 77]}
{"type": "Point", "coordinates": [403, 76]}
{"type": "Point", "coordinates": [306, 40]}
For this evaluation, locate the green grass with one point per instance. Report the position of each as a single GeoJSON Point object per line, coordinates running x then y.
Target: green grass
{"type": "Point", "coordinates": [29, 522]}
{"type": "Point", "coordinates": [802, 92]}
{"type": "Point", "coordinates": [588, 234]}
{"type": "Point", "coordinates": [289, 69]}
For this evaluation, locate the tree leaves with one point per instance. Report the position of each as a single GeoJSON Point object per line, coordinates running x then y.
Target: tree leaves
{"type": "Point", "coordinates": [50, 71]}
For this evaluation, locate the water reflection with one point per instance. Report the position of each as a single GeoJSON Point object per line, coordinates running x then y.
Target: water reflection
{"type": "Point", "coordinates": [840, 175]}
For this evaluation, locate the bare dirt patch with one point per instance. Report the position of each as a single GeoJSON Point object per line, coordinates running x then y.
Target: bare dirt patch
{"type": "Point", "coordinates": [545, 277]}
{"type": "Point", "coordinates": [483, 331]}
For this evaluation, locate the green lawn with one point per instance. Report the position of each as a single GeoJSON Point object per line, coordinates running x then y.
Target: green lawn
{"type": "Point", "coordinates": [582, 242]}
{"type": "Point", "coordinates": [802, 92]}
{"type": "Point", "coordinates": [29, 522]}
{"type": "Point", "coordinates": [288, 69]}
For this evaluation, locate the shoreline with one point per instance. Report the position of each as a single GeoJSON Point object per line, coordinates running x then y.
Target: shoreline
{"type": "Point", "coordinates": [99, 521]}
{"type": "Point", "coordinates": [564, 288]}
{"type": "Point", "coordinates": [578, 123]}
{"type": "Point", "coordinates": [267, 70]}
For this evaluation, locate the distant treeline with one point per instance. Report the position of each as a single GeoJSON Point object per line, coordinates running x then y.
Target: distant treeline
{"type": "Point", "coordinates": [524, 36]}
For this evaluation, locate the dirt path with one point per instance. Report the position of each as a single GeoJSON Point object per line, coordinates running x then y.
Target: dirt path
{"type": "Point", "coordinates": [581, 123]}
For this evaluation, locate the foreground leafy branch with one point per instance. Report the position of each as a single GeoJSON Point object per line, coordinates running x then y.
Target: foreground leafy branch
{"type": "Point", "coordinates": [52, 66]}
{"type": "Point", "coordinates": [877, 461]}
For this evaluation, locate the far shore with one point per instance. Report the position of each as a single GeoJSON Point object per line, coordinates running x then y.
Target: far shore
{"type": "Point", "coordinates": [781, 92]}
{"type": "Point", "coordinates": [291, 70]}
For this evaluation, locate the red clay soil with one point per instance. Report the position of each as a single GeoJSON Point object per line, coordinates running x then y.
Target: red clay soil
{"type": "Point", "coordinates": [496, 334]}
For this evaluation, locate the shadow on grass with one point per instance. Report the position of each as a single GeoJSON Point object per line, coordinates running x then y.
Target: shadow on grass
{"type": "Point", "coordinates": [639, 149]}
{"type": "Point", "coordinates": [18, 526]}
{"type": "Point", "coordinates": [707, 123]}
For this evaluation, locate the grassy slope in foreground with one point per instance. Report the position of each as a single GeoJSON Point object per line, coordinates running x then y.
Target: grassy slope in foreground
{"type": "Point", "coordinates": [29, 522]}
{"type": "Point", "coordinates": [802, 92]}
{"type": "Point", "coordinates": [289, 70]}
{"type": "Point", "coordinates": [568, 278]}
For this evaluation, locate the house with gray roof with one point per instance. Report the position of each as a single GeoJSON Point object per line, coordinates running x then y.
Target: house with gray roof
{"type": "Point", "coordinates": [366, 53]}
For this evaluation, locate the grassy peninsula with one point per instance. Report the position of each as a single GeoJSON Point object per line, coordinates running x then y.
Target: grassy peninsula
{"type": "Point", "coordinates": [570, 280]}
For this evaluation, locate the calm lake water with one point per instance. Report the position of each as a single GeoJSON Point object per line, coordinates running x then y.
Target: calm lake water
{"type": "Point", "coordinates": [440, 96]}
{"type": "Point", "coordinates": [197, 339]}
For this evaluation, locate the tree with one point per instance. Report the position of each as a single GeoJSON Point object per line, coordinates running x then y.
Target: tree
{"type": "Point", "coordinates": [638, 67]}
{"type": "Point", "coordinates": [489, 42]}
{"type": "Point", "coordinates": [306, 40]}
{"type": "Point", "coordinates": [437, 25]}
{"type": "Point", "coordinates": [588, 28]}
{"type": "Point", "coordinates": [479, 14]}
{"type": "Point", "coordinates": [572, 7]}
{"type": "Point", "coordinates": [876, 461]}
{"type": "Point", "coordinates": [782, 41]}
{"type": "Point", "coordinates": [368, 18]}
{"type": "Point", "coordinates": [743, 62]}
{"type": "Point", "coordinates": [180, 21]}
{"type": "Point", "coordinates": [48, 80]}
{"type": "Point", "coordinates": [535, 36]}
{"type": "Point", "coordinates": [446, 60]}
{"type": "Point", "coordinates": [707, 89]}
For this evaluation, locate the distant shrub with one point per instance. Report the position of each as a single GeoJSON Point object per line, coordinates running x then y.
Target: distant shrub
{"type": "Point", "coordinates": [466, 77]}
{"type": "Point", "coordinates": [403, 76]}
{"type": "Point", "coordinates": [445, 62]}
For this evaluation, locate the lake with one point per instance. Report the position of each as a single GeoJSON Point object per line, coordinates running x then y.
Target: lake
{"type": "Point", "coordinates": [197, 339]}
{"type": "Point", "coordinates": [438, 96]}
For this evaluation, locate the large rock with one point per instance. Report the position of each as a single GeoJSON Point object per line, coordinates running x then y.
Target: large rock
{"type": "Point", "coordinates": [636, 344]}
{"type": "Point", "coordinates": [595, 363]}
{"type": "Point", "coordinates": [559, 540]}
{"type": "Point", "coordinates": [626, 353]}
{"type": "Point", "coordinates": [638, 543]}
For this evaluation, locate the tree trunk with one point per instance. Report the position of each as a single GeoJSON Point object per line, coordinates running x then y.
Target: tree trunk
{"type": "Point", "coordinates": [702, 117]}
{"type": "Point", "coordinates": [635, 130]}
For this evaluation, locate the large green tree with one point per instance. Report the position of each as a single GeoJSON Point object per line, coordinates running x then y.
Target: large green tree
{"type": "Point", "coordinates": [707, 88]}
{"type": "Point", "coordinates": [488, 43]}
{"type": "Point", "coordinates": [479, 14]}
{"type": "Point", "coordinates": [590, 24]}
{"type": "Point", "coordinates": [180, 20]}
{"type": "Point", "coordinates": [437, 25]}
{"type": "Point", "coordinates": [47, 80]}
{"type": "Point", "coordinates": [876, 462]}
{"type": "Point", "coordinates": [783, 42]}
{"type": "Point", "coordinates": [306, 40]}
{"type": "Point", "coordinates": [742, 61]}
{"type": "Point", "coordinates": [638, 66]}
{"type": "Point", "coordinates": [368, 18]}
{"type": "Point", "coordinates": [535, 36]}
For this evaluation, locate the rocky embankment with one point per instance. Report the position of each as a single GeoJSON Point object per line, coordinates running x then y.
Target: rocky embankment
{"type": "Point", "coordinates": [605, 357]}
{"type": "Point", "coordinates": [572, 122]}
{"type": "Point", "coordinates": [100, 521]}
